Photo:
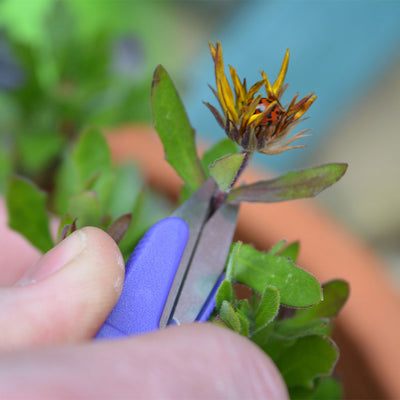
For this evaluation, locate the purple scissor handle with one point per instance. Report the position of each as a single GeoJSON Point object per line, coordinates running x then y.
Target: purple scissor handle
{"type": "Point", "coordinates": [175, 270]}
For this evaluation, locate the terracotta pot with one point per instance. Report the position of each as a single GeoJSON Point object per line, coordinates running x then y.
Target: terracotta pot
{"type": "Point", "coordinates": [367, 330]}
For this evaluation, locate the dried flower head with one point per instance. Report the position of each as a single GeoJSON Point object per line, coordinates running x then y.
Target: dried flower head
{"type": "Point", "coordinates": [255, 122]}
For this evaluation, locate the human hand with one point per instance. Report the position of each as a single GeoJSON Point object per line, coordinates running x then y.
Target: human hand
{"type": "Point", "coordinates": [48, 319]}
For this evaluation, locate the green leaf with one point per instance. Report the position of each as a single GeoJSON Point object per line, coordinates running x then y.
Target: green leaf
{"type": "Point", "coordinates": [268, 307]}
{"type": "Point", "coordinates": [27, 213]}
{"type": "Point", "coordinates": [326, 388]}
{"type": "Point", "coordinates": [308, 358]}
{"type": "Point", "coordinates": [224, 293]}
{"type": "Point", "coordinates": [219, 150]}
{"type": "Point", "coordinates": [85, 208]}
{"type": "Point", "coordinates": [244, 306]}
{"type": "Point", "coordinates": [174, 130]}
{"type": "Point", "coordinates": [273, 345]}
{"type": "Point", "coordinates": [87, 167]}
{"type": "Point", "coordinates": [126, 188]}
{"type": "Point", "coordinates": [25, 23]}
{"type": "Point", "coordinates": [66, 185]}
{"type": "Point", "coordinates": [277, 248]}
{"type": "Point", "coordinates": [297, 288]}
{"type": "Point", "coordinates": [39, 149]}
{"type": "Point", "coordinates": [232, 259]}
{"type": "Point", "coordinates": [244, 323]}
{"type": "Point", "coordinates": [335, 294]}
{"type": "Point", "coordinates": [91, 156]}
{"type": "Point", "coordinates": [291, 330]}
{"type": "Point", "coordinates": [6, 166]}
{"type": "Point", "coordinates": [293, 185]}
{"type": "Point", "coordinates": [229, 316]}
{"type": "Point", "coordinates": [262, 335]}
{"type": "Point", "coordinates": [291, 251]}
{"type": "Point", "coordinates": [225, 169]}
{"type": "Point", "coordinates": [134, 232]}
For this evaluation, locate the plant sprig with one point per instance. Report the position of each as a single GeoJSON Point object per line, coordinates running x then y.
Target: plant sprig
{"type": "Point", "coordinates": [297, 341]}
{"type": "Point", "coordinates": [286, 312]}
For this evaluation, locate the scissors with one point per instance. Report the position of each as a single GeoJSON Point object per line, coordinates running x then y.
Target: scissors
{"type": "Point", "coordinates": [175, 270]}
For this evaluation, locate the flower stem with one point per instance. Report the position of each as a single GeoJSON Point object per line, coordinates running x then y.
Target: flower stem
{"type": "Point", "coordinates": [243, 165]}
{"type": "Point", "coordinates": [220, 196]}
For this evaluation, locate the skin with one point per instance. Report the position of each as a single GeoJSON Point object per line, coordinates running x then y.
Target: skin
{"type": "Point", "coordinates": [52, 306]}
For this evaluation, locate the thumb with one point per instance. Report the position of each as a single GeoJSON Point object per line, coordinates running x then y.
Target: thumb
{"type": "Point", "coordinates": [66, 295]}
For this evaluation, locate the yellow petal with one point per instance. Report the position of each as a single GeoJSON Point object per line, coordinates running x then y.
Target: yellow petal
{"type": "Point", "coordinates": [305, 107]}
{"type": "Point", "coordinates": [212, 50]}
{"type": "Point", "coordinates": [239, 88]}
{"type": "Point", "coordinates": [250, 110]}
{"type": "Point", "coordinates": [277, 86]}
{"type": "Point", "coordinates": [224, 90]}
{"type": "Point", "coordinates": [268, 87]}
{"type": "Point", "coordinates": [253, 90]}
{"type": "Point", "coordinates": [227, 101]}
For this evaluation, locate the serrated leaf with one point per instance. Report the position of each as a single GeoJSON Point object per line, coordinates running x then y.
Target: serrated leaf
{"type": "Point", "coordinates": [219, 150]}
{"type": "Point", "coordinates": [232, 259]}
{"type": "Point", "coordinates": [291, 251]}
{"type": "Point", "coordinates": [91, 156]}
{"type": "Point", "coordinates": [308, 358]}
{"type": "Point", "coordinates": [225, 169]}
{"type": "Point", "coordinates": [228, 315]}
{"type": "Point", "coordinates": [27, 212]}
{"type": "Point", "coordinates": [293, 185]}
{"type": "Point", "coordinates": [268, 307]}
{"type": "Point", "coordinates": [335, 294]}
{"type": "Point", "coordinates": [297, 288]}
{"type": "Point", "coordinates": [224, 293]}
{"type": "Point", "coordinates": [174, 129]}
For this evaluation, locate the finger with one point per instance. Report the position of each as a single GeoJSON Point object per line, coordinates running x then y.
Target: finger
{"type": "Point", "coordinates": [198, 361]}
{"type": "Point", "coordinates": [67, 295]}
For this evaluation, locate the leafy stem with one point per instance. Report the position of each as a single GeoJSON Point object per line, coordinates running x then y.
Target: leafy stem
{"type": "Point", "coordinates": [243, 165]}
{"type": "Point", "coordinates": [221, 194]}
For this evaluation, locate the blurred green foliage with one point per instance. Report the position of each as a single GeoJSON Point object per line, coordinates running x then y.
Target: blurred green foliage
{"type": "Point", "coordinates": [80, 63]}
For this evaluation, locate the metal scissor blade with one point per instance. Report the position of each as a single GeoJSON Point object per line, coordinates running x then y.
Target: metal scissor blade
{"type": "Point", "coordinates": [194, 212]}
{"type": "Point", "coordinates": [207, 263]}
